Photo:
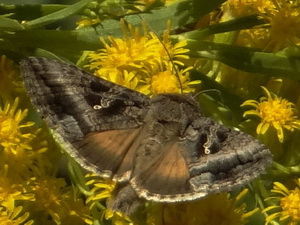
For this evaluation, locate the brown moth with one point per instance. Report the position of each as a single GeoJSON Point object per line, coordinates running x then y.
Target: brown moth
{"type": "Point", "coordinates": [161, 149]}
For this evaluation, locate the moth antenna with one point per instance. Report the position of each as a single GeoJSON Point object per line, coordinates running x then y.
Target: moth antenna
{"type": "Point", "coordinates": [211, 90]}
{"type": "Point", "coordinates": [168, 53]}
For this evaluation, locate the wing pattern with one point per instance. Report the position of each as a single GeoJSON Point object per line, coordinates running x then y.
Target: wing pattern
{"type": "Point", "coordinates": [163, 148]}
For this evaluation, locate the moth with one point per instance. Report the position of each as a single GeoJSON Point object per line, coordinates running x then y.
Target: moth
{"type": "Point", "coordinates": [161, 149]}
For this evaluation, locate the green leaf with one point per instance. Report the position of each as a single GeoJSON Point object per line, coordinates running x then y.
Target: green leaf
{"type": "Point", "coordinates": [58, 15]}
{"type": "Point", "coordinates": [9, 24]}
{"type": "Point", "coordinates": [71, 43]}
{"type": "Point", "coordinates": [231, 25]}
{"type": "Point", "coordinates": [211, 101]}
{"type": "Point", "coordinates": [29, 12]}
{"type": "Point", "coordinates": [248, 59]}
{"type": "Point", "coordinates": [180, 14]}
{"type": "Point", "coordinates": [47, 54]}
{"type": "Point", "coordinates": [195, 9]}
{"type": "Point", "coordinates": [68, 44]}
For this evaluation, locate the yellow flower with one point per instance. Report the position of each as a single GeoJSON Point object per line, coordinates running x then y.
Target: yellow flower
{"type": "Point", "coordinates": [12, 190]}
{"type": "Point", "coordinates": [165, 82]}
{"type": "Point", "coordinates": [166, 79]}
{"type": "Point", "coordinates": [170, 52]}
{"type": "Point", "coordinates": [127, 53]}
{"type": "Point", "coordinates": [76, 212]}
{"type": "Point", "coordinates": [125, 61]}
{"type": "Point", "coordinates": [14, 217]}
{"type": "Point", "coordinates": [123, 78]}
{"type": "Point", "coordinates": [117, 218]}
{"type": "Point", "coordinates": [238, 8]}
{"type": "Point", "coordinates": [286, 204]}
{"type": "Point", "coordinates": [16, 151]}
{"type": "Point", "coordinates": [284, 28]}
{"type": "Point", "coordinates": [11, 127]}
{"type": "Point", "coordinates": [283, 23]}
{"type": "Point", "coordinates": [55, 199]}
{"type": "Point", "coordinates": [48, 194]}
{"type": "Point", "coordinates": [102, 190]}
{"type": "Point", "coordinates": [275, 112]}
{"type": "Point", "coordinates": [215, 209]}
{"type": "Point", "coordinates": [25, 156]}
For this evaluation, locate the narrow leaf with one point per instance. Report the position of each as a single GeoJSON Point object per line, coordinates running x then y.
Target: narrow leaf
{"type": "Point", "coordinates": [9, 24]}
{"type": "Point", "coordinates": [61, 14]}
{"type": "Point", "coordinates": [248, 59]}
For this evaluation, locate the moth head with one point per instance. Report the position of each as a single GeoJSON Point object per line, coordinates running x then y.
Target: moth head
{"type": "Point", "coordinates": [177, 108]}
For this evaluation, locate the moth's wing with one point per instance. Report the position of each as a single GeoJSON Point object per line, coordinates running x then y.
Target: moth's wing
{"type": "Point", "coordinates": [87, 114]}
{"type": "Point", "coordinates": [227, 159]}
{"type": "Point", "coordinates": [163, 178]}
{"type": "Point", "coordinates": [108, 153]}
{"type": "Point", "coordinates": [210, 158]}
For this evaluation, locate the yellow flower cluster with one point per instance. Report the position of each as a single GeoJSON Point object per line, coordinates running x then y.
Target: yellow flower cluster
{"type": "Point", "coordinates": [30, 192]}
{"type": "Point", "coordinates": [143, 63]}
{"type": "Point", "coordinates": [282, 30]}
{"type": "Point", "coordinates": [279, 122]}
{"type": "Point", "coordinates": [101, 191]}
{"type": "Point", "coordinates": [214, 209]}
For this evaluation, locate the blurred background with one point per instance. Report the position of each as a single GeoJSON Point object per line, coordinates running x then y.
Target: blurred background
{"type": "Point", "coordinates": [8, 2]}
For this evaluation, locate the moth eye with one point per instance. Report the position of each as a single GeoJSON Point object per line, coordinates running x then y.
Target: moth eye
{"type": "Point", "coordinates": [97, 107]}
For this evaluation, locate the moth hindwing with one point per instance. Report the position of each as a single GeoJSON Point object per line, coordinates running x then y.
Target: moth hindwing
{"type": "Point", "coordinates": [161, 149]}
